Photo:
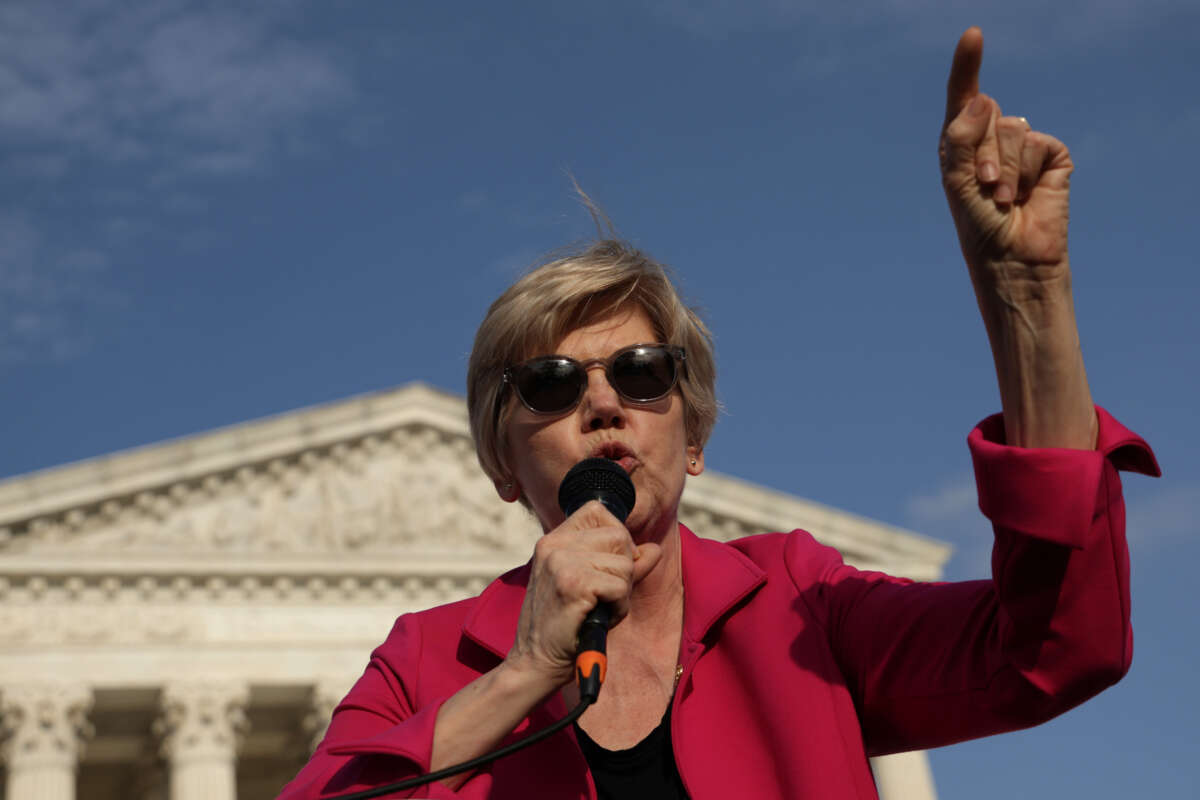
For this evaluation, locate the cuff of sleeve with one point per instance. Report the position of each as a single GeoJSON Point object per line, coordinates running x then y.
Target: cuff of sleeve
{"type": "Point", "coordinates": [1050, 493]}
{"type": "Point", "coordinates": [412, 740]}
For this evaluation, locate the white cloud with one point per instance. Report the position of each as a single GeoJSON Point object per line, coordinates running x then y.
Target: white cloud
{"type": "Point", "coordinates": [116, 105]}
{"type": "Point", "coordinates": [716, 17]}
{"type": "Point", "coordinates": [1027, 24]}
{"type": "Point", "coordinates": [950, 511]}
{"type": "Point", "coordinates": [38, 166]}
{"type": "Point", "coordinates": [46, 294]}
{"type": "Point", "coordinates": [185, 82]}
{"type": "Point", "coordinates": [18, 243]}
{"type": "Point", "coordinates": [949, 502]}
{"type": "Point", "coordinates": [1158, 518]}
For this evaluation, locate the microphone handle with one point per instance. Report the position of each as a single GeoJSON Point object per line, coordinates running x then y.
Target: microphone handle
{"type": "Point", "coordinates": [592, 662]}
{"type": "Point", "coordinates": [603, 480]}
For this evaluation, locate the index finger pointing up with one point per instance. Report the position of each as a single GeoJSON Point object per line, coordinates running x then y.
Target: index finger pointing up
{"type": "Point", "coordinates": [964, 73]}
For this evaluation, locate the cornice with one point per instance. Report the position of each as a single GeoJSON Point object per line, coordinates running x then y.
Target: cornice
{"type": "Point", "coordinates": [62, 609]}
{"type": "Point", "coordinates": [758, 509]}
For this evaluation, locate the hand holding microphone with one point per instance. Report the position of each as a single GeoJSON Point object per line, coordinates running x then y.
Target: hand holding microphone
{"type": "Point", "coordinates": [587, 561]}
{"type": "Point", "coordinates": [603, 480]}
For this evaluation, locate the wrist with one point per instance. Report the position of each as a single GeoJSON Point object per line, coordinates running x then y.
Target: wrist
{"type": "Point", "coordinates": [523, 676]}
{"type": "Point", "coordinates": [1016, 283]}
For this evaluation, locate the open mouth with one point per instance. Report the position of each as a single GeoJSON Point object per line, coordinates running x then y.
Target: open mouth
{"type": "Point", "coordinates": [615, 451]}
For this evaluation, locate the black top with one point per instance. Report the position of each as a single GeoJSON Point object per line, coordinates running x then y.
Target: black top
{"type": "Point", "coordinates": [645, 771]}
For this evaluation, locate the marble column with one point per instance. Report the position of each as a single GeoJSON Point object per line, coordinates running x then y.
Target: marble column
{"type": "Point", "coordinates": [44, 727]}
{"type": "Point", "coordinates": [202, 725]}
{"type": "Point", "coordinates": [150, 781]}
{"type": "Point", "coordinates": [904, 776]}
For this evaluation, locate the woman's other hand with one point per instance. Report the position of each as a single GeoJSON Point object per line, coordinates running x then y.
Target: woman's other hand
{"type": "Point", "coordinates": [589, 559]}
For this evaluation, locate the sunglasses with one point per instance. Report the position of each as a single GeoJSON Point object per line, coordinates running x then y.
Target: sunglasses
{"type": "Point", "coordinates": [640, 373]}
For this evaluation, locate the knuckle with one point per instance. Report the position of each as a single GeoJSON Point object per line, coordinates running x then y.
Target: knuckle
{"type": "Point", "coordinates": [619, 566]}
{"type": "Point", "coordinates": [545, 547]}
{"type": "Point", "coordinates": [613, 588]}
{"type": "Point", "coordinates": [957, 181]}
{"type": "Point", "coordinates": [591, 507]}
{"type": "Point", "coordinates": [618, 533]}
{"type": "Point", "coordinates": [957, 133]}
{"type": "Point", "coordinates": [556, 562]}
{"type": "Point", "coordinates": [590, 515]}
{"type": "Point", "coordinates": [567, 583]}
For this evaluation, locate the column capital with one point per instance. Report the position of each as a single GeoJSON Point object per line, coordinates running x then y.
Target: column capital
{"type": "Point", "coordinates": [44, 724]}
{"type": "Point", "coordinates": [202, 720]}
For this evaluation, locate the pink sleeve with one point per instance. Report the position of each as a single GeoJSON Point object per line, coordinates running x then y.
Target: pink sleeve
{"type": "Point", "coordinates": [930, 664]}
{"type": "Point", "coordinates": [375, 737]}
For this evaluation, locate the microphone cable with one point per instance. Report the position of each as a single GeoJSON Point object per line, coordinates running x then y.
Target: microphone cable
{"type": "Point", "coordinates": [421, 780]}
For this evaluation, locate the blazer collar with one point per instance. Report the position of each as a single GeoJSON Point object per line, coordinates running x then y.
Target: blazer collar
{"type": "Point", "coordinates": [716, 577]}
{"type": "Point", "coordinates": [492, 622]}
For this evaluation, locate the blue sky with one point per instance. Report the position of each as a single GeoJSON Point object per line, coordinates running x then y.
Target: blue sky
{"type": "Point", "coordinates": [211, 212]}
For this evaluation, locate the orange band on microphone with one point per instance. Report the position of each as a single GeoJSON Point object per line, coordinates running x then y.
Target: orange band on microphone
{"type": "Point", "coordinates": [589, 658]}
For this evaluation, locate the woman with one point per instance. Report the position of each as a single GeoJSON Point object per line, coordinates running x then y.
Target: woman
{"type": "Point", "coordinates": [764, 667]}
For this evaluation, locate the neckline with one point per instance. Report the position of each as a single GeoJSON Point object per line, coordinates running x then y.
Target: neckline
{"type": "Point", "coordinates": [643, 751]}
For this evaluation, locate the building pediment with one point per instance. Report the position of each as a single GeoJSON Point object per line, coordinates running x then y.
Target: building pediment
{"type": "Point", "coordinates": [409, 490]}
{"type": "Point", "coordinates": [389, 477]}
{"type": "Point", "coordinates": [362, 478]}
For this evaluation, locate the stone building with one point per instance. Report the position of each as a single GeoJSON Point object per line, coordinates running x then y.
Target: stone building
{"type": "Point", "coordinates": [178, 621]}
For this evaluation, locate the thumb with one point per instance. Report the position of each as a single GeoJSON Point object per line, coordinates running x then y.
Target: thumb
{"type": "Point", "coordinates": [645, 558]}
{"type": "Point", "coordinates": [970, 136]}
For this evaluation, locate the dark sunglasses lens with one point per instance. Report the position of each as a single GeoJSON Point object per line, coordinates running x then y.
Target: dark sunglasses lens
{"type": "Point", "coordinates": [549, 384]}
{"type": "Point", "coordinates": [644, 373]}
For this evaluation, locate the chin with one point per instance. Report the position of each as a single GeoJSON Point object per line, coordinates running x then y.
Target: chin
{"type": "Point", "coordinates": [646, 525]}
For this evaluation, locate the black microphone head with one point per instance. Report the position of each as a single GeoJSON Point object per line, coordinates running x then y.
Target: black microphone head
{"type": "Point", "coordinates": [597, 479]}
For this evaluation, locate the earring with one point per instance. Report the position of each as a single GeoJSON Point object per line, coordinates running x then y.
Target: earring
{"type": "Point", "coordinates": [508, 486]}
{"type": "Point", "coordinates": [693, 462]}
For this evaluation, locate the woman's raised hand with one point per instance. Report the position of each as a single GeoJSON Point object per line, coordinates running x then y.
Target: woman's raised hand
{"type": "Point", "coordinates": [1008, 185]}
{"type": "Point", "coordinates": [1009, 189]}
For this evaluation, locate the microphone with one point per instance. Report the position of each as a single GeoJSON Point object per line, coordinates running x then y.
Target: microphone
{"type": "Point", "coordinates": [603, 480]}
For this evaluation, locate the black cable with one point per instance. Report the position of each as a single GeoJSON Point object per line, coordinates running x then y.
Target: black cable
{"type": "Point", "coordinates": [430, 777]}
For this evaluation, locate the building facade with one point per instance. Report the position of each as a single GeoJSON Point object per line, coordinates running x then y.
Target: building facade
{"type": "Point", "coordinates": [177, 622]}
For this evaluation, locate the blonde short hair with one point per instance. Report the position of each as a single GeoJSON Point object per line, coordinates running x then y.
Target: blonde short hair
{"type": "Point", "coordinates": [541, 308]}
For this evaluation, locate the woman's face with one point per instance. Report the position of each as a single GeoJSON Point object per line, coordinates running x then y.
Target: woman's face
{"type": "Point", "coordinates": [649, 440]}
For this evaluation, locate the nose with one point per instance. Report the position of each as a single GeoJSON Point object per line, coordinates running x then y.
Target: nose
{"type": "Point", "coordinates": [601, 404]}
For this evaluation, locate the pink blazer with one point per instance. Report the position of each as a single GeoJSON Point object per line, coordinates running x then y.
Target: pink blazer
{"type": "Point", "coordinates": [797, 667]}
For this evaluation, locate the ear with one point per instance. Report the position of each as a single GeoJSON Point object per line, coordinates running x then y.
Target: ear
{"type": "Point", "coordinates": [508, 489]}
{"type": "Point", "coordinates": [695, 460]}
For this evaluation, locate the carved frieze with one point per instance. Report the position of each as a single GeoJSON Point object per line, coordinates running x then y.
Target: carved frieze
{"type": "Point", "coordinates": [31, 625]}
{"type": "Point", "coordinates": [414, 487]}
